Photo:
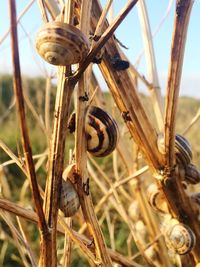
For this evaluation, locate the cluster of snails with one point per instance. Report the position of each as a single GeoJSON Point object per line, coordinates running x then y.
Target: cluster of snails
{"type": "Point", "coordinates": [61, 43]}
{"type": "Point", "coordinates": [101, 130]}
{"type": "Point", "coordinates": [178, 236]}
{"type": "Point", "coordinates": [183, 153]}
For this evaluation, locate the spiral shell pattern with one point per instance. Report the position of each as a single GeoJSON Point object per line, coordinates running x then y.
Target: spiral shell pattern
{"type": "Point", "coordinates": [61, 44]}
{"type": "Point", "coordinates": [180, 238]}
{"type": "Point", "coordinates": [192, 174]}
{"type": "Point", "coordinates": [101, 131]}
{"type": "Point", "coordinates": [156, 199]}
{"type": "Point", "coordinates": [183, 148]}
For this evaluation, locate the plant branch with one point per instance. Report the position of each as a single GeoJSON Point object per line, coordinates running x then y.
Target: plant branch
{"type": "Point", "coordinates": [17, 83]}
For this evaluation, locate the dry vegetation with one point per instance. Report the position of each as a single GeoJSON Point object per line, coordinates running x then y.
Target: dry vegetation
{"type": "Point", "coordinates": [115, 225]}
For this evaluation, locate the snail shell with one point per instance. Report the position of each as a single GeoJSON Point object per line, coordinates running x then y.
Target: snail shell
{"type": "Point", "coordinates": [192, 174]}
{"type": "Point", "coordinates": [180, 238]}
{"type": "Point", "coordinates": [69, 199]}
{"type": "Point", "coordinates": [101, 131]}
{"type": "Point", "coordinates": [156, 199]}
{"type": "Point", "coordinates": [183, 148]}
{"type": "Point", "coordinates": [61, 44]}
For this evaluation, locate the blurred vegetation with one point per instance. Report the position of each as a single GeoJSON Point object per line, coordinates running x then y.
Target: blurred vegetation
{"type": "Point", "coordinates": [34, 88]}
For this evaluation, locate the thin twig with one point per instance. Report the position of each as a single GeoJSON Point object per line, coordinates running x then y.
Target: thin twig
{"type": "Point", "coordinates": [21, 112]}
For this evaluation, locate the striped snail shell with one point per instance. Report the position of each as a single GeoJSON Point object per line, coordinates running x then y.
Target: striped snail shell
{"type": "Point", "coordinates": [156, 199]}
{"type": "Point", "coordinates": [61, 44]}
{"type": "Point", "coordinates": [180, 238]}
{"type": "Point", "coordinates": [183, 148]}
{"type": "Point", "coordinates": [69, 199]}
{"type": "Point", "coordinates": [101, 131]}
{"type": "Point", "coordinates": [192, 174]}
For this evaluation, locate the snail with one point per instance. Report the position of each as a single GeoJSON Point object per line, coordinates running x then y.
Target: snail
{"type": "Point", "coordinates": [192, 174]}
{"type": "Point", "coordinates": [134, 211]}
{"type": "Point", "coordinates": [156, 199]}
{"type": "Point", "coordinates": [179, 237]}
{"type": "Point", "coordinates": [183, 148]}
{"type": "Point", "coordinates": [69, 199]}
{"type": "Point", "coordinates": [61, 44]}
{"type": "Point", "coordinates": [101, 131]}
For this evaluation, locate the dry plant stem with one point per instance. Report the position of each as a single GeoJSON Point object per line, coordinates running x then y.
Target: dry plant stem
{"type": "Point", "coordinates": [18, 20]}
{"type": "Point", "coordinates": [151, 64]}
{"type": "Point", "coordinates": [77, 238]}
{"type": "Point", "coordinates": [183, 9]}
{"type": "Point", "coordinates": [81, 159]}
{"type": "Point", "coordinates": [55, 162]}
{"type": "Point", "coordinates": [127, 100]}
{"type": "Point", "coordinates": [43, 11]}
{"type": "Point", "coordinates": [192, 123]}
{"type": "Point", "coordinates": [47, 105]}
{"type": "Point", "coordinates": [67, 246]}
{"type": "Point", "coordinates": [172, 187]}
{"type": "Point", "coordinates": [52, 8]}
{"type": "Point", "coordinates": [24, 130]}
{"type": "Point", "coordinates": [104, 38]}
{"type": "Point", "coordinates": [102, 19]}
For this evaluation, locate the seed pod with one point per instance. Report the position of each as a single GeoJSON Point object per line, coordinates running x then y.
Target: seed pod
{"type": "Point", "coordinates": [192, 174]}
{"type": "Point", "coordinates": [180, 238]}
{"type": "Point", "coordinates": [61, 44]}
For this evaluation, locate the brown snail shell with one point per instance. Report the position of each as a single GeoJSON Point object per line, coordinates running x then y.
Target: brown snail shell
{"type": "Point", "coordinates": [69, 199]}
{"type": "Point", "coordinates": [101, 131]}
{"type": "Point", "coordinates": [183, 148]}
{"type": "Point", "coordinates": [61, 44]}
{"type": "Point", "coordinates": [180, 238]}
{"type": "Point", "coordinates": [156, 199]}
{"type": "Point", "coordinates": [192, 174]}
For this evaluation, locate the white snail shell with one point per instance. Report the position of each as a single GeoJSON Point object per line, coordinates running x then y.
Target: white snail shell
{"type": "Point", "coordinates": [61, 44]}
{"type": "Point", "coordinates": [192, 174]}
{"type": "Point", "coordinates": [69, 199]}
{"type": "Point", "coordinates": [156, 199]}
{"type": "Point", "coordinates": [183, 148]}
{"type": "Point", "coordinates": [101, 131]}
{"type": "Point", "coordinates": [134, 211]}
{"type": "Point", "coordinates": [180, 238]}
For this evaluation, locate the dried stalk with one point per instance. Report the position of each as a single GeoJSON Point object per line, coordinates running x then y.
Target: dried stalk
{"type": "Point", "coordinates": [178, 200]}
{"type": "Point", "coordinates": [183, 9]}
{"type": "Point", "coordinates": [81, 159]}
{"type": "Point", "coordinates": [128, 102]}
{"type": "Point", "coordinates": [31, 216]}
{"type": "Point", "coordinates": [192, 123]}
{"type": "Point", "coordinates": [17, 83]}
{"type": "Point", "coordinates": [104, 38]}
{"type": "Point", "coordinates": [18, 20]}
{"type": "Point", "coordinates": [151, 64]}
{"type": "Point", "coordinates": [43, 11]}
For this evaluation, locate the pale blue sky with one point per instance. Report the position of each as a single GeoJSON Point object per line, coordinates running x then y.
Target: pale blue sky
{"type": "Point", "coordinates": [128, 33]}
